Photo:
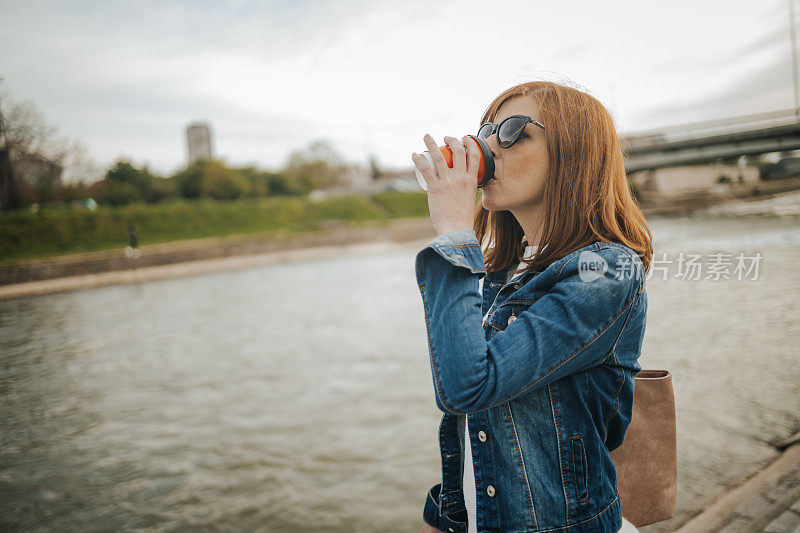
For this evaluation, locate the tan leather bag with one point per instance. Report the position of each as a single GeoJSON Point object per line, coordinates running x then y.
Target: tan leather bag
{"type": "Point", "coordinates": [647, 460]}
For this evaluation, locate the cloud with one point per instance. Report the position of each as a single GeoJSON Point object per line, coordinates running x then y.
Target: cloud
{"type": "Point", "coordinates": [767, 88]}
{"type": "Point", "coordinates": [127, 76]}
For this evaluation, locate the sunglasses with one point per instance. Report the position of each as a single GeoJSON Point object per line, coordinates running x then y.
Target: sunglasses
{"type": "Point", "coordinates": [508, 131]}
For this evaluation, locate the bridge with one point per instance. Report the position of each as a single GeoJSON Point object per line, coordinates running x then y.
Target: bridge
{"type": "Point", "coordinates": [705, 142]}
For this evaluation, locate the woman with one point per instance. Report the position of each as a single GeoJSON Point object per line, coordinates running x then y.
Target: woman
{"type": "Point", "coordinates": [534, 367]}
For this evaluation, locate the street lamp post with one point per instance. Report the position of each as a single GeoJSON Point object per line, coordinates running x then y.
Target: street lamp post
{"type": "Point", "coordinates": [794, 61]}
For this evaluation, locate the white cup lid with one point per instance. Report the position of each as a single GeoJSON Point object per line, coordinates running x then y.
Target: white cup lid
{"type": "Point", "coordinates": [420, 178]}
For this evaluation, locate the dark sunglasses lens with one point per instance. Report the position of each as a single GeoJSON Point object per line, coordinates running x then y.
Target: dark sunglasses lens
{"type": "Point", "coordinates": [510, 130]}
{"type": "Point", "coordinates": [485, 131]}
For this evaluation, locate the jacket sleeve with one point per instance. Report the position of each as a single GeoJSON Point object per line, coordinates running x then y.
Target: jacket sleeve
{"type": "Point", "coordinates": [569, 329]}
{"type": "Point", "coordinates": [460, 248]}
{"type": "Point", "coordinates": [434, 515]}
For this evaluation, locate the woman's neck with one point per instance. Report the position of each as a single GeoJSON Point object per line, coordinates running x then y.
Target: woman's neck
{"type": "Point", "coordinates": [531, 222]}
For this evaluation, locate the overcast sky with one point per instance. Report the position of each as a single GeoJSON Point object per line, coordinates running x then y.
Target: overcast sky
{"type": "Point", "coordinates": [125, 78]}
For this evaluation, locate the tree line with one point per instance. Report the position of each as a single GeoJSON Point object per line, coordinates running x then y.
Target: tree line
{"type": "Point", "coordinates": [125, 183]}
{"type": "Point", "coordinates": [32, 159]}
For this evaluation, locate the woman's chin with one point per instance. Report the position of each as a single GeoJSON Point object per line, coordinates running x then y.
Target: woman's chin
{"type": "Point", "coordinates": [490, 205]}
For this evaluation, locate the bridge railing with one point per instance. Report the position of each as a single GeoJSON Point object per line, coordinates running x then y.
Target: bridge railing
{"type": "Point", "coordinates": [708, 128]}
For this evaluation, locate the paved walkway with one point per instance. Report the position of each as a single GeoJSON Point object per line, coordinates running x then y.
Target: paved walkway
{"type": "Point", "coordinates": [767, 502]}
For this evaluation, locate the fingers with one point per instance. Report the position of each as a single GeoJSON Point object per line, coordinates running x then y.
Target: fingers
{"type": "Point", "coordinates": [459, 155]}
{"type": "Point", "coordinates": [473, 156]}
{"type": "Point", "coordinates": [466, 158]}
{"type": "Point", "coordinates": [438, 159]}
{"type": "Point", "coordinates": [424, 167]}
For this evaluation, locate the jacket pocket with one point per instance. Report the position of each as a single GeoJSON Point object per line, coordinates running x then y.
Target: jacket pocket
{"type": "Point", "coordinates": [579, 468]}
{"type": "Point", "coordinates": [502, 316]}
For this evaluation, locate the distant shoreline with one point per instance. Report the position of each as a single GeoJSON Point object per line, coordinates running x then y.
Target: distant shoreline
{"type": "Point", "coordinates": [199, 256]}
{"type": "Point", "coordinates": [163, 261]}
{"type": "Point", "coordinates": [190, 268]}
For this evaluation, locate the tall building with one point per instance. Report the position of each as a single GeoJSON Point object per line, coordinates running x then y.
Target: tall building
{"type": "Point", "coordinates": [199, 142]}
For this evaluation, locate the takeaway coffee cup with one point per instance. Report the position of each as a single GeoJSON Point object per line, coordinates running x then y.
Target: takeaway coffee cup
{"type": "Point", "coordinates": [485, 166]}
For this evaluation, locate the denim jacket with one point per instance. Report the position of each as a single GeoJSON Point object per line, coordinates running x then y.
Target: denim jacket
{"type": "Point", "coordinates": [547, 383]}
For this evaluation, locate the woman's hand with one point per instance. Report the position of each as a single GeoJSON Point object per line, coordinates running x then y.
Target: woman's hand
{"type": "Point", "coordinates": [451, 191]}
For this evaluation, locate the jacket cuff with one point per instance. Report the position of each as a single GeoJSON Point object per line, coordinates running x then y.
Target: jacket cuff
{"type": "Point", "coordinates": [461, 248]}
{"type": "Point", "coordinates": [432, 514]}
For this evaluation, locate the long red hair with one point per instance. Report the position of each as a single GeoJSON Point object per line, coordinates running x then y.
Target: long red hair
{"type": "Point", "coordinates": [587, 197]}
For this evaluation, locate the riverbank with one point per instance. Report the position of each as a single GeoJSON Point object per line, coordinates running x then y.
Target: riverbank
{"type": "Point", "coordinates": [162, 261]}
{"type": "Point", "coordinates": [188, 257]}
{"type": "Point", "coordinates": [723, 194]}
{"type": "Point", "coordinates": [769, 501]}
{"type": "Point", "coordinates": [49, 232]}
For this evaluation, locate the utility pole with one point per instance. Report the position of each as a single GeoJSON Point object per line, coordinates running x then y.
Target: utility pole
{"type": "Point", "coordinates": [794, 61]}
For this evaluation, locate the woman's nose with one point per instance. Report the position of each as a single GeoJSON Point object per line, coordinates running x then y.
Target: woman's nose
{"type": "Point", "coordinates": [491, 140]}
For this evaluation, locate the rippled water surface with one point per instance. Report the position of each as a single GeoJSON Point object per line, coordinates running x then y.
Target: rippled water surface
{"type": "Point", "coordinates": [298, 397]}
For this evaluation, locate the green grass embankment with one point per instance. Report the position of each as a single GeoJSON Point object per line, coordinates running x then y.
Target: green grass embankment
{"type": "Point", "coordinates": [52, 232]}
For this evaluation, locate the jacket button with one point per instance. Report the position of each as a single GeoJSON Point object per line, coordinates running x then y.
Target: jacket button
{"type": "Point", "coordinates": [511, 319]}
{"type": "Point", "coordinates": [482, 436]}
{"type": "Point", "coordinates": [490, 491]}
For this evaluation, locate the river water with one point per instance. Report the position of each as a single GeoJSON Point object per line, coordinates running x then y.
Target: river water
{"type": "Point", "coordinates": [298, 396]}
